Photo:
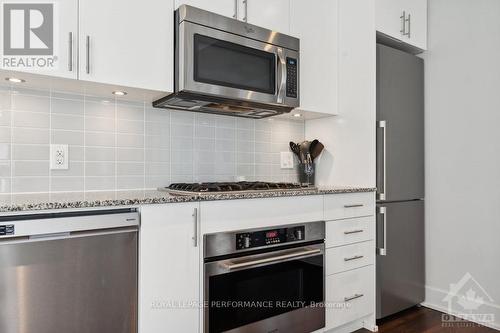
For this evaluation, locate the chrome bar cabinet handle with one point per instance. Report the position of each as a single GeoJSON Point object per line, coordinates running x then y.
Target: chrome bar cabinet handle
{"type": "Point", "coordinates": [354, 206]}
{"type": "Point", "coordinates": [87, 49]}
{"type": "Point", "coordinates": [409, 26]}
{"type": "Point", "coordinates": [403, 24]}
{"type": "Point", "coordinates": [245, 4]}
{"type": "Point", "coordinates": [353, 232]}
{"type": "Point", "coordinates": [354, 258]}
{"type": "Point", "coordinates": [235, 16]}
{"type": "Point", "coordinates": [195, 220]}
{"type": "Point", "coordinates": [383, 212]}
{"type": "Point", "coordinates": [353, 297]}
{"type": "Point", "coordinates": [70, 52]}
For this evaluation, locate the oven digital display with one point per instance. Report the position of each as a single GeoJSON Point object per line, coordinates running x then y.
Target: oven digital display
{"type": "Point", "coordinates": [272, 234]}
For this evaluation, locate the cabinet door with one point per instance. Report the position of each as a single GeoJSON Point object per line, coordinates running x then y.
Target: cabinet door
{"type": "Point", "coordinates": [273, 15]}
{"type": "Point", "coordinates": [127, 42]}
{"type": "Point", "coordinates": [388, 17]}
{"type": "Point", "coordinates": [418, 23]}
{"type": "Point", "coordinates": [65, 47]}
{"type": "Point", "coordinates": [223, 7]}
{"type": "Point", "coordinates": [390, 22]}
{"type": "Point", "coordinates": [169, 269]}
{"type": "Point", "coordinates": [317, 28]}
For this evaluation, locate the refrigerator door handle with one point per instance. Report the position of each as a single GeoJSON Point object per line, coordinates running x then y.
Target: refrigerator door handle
{"type": "Point", "coordinates": [382, 211]}
{"type": "Point", "coordinates": [381, 195]}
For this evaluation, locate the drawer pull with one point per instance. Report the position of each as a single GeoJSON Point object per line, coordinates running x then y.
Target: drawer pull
{"type": "Point", "coordinates": [353, 206]}
{"type": "Point", "coordinates": [355, 296]}
{"type": "Point", "coordinates": [353, 258]}
{"type": "Point", "coordinates": [353, 232]}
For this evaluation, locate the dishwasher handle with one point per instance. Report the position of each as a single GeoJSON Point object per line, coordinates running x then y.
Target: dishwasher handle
{"type": "Point", "coordinates": [45, 225]}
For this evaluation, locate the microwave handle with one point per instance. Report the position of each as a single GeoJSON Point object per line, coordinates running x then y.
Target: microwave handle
{"type": "Point", "coordinates": [281, 71]}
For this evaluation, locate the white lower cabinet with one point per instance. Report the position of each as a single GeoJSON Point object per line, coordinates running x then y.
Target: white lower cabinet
{"type": "Point", "coordinates": [343, 258]}
{"type": "Point", "coordinates": [350, 296]}
{"type": "Point", "coordinates": [169, 268]}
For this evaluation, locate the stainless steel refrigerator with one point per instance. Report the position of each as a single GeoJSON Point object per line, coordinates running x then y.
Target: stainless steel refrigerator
{"type": "Point", "coordinates": [400, 181]}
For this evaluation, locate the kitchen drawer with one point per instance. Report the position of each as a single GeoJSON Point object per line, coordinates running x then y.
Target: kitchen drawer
{"type": "Point", "coordinates": [354, 291]}
{"type": "Point", "coordinates": [349, 231]}
{"type": "Point", "coordinates": [228, 215]}
{"type": "Point", "coordinates": [343, 258]}
{"type": "Point", "coordinates": [342, 206]}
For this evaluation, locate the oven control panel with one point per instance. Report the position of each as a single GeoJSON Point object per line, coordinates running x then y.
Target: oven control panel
{"type": "Point", "coordinates": [291, 77]}
{"type": "Point", "coordinates": [248, 240]}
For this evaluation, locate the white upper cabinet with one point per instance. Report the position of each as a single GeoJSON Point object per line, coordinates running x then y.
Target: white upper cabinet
{"type": "Point", "coordinates": [169, 268]}
{"type": "Point", "coordinates": [269, 14]}
{"type": "Point", "coordinates": [405, 20]}
{"type": "Point", "coordinates": [317, 28]}
{"type": "Point", "coordinates": [65, 41]}
{"type": "Point", "coordinates": [227, 8]}
{"type": "Point", "coordinates": [127, 42]}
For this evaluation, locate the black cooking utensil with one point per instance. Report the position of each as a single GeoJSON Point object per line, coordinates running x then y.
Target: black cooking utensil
{"type": "Point", "coordinates": [316, 149]}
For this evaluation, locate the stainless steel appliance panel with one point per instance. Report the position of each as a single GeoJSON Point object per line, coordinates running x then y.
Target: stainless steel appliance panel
{"type": "Point", "coordinates": [78, 283]}
{"type": "Point", "coordinates": [401, 267]}
{"type": "Point", "coordinates": [400, 117]}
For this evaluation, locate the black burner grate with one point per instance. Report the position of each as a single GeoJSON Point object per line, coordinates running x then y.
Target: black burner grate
{"type": "Point", "coordinates": [232, 186]}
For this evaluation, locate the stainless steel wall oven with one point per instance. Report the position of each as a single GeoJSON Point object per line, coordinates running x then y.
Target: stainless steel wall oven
{"type": "Point", "coordinates": [265, 280]}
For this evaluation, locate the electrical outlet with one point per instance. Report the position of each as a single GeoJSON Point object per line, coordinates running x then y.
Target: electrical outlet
{"type": "Point", "coordinates": [286, 160]}
{"type": "Point", "coordinates": [59, 157]}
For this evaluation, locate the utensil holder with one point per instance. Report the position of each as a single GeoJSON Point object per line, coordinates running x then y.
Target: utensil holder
{"type": "Point", "coordinates": [304, 177]}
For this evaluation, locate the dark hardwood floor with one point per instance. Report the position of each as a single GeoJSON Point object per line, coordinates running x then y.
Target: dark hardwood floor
{"type": "Point", "coordinates": [424, 320]}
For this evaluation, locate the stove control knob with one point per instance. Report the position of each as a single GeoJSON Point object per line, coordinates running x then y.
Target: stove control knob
{"type": "Point", "coordinates": [298, 234]}
{"type": "Point", "coordinates": [245, 241]}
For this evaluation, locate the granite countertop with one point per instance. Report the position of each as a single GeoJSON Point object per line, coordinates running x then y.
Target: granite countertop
{"type": "Point", "coordinates": [75, 200]}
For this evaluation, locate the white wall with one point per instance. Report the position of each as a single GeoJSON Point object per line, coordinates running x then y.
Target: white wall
{"type": "Point", "coordinates": [349, 139]}
{"type": "Point", "coordinates": [463, 148]}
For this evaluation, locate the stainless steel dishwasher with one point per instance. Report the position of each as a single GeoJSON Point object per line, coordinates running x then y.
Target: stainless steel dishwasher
{"type": "Point", "coordinates": [70, 272]}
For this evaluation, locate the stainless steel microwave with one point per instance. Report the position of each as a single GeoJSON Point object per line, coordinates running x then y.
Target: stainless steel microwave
{"type": "Point", "coordinates": [225, 66]}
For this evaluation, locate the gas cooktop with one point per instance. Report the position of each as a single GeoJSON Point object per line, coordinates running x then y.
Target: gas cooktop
{"type": "Point", "coordinates": [231, 187]}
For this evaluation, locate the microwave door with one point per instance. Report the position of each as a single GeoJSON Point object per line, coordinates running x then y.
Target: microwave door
{"type": "Point", "coordinates": [216, 63]}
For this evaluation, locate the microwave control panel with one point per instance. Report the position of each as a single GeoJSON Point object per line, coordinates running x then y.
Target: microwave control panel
{"type": "Point", "coordinates": [291, 77]}
{"type": "Point", "coordinates": [269, 237]}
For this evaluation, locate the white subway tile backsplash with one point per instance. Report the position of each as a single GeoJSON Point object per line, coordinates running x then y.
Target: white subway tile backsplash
{"type": "Point", "coordinates": [100, 168]}
{"type": "Point", "coordinates": [30, 184]}
{"type": "Point", "coordinates": [97, 124]}
{"type": "Point", "coordinates": [101, 109]}
{"type": "Point", "coordinates": [30, 119]}
{"type": "Point", "coordinates": [130, 140]}
{"type": "Point", "coordinates": [67, 184]}
{"type": "Point", "coordinates": [116, 145]}
{"type": "Point", "coordinates": [130, 154]}
{"type": "Point", "coordinates": [129, 169]}
{"type": "Point", "coordinates": [5, 134]}
{"type": "Point", "coordinates": [23, 102]}
{"type": "Point", "coordinates": [67, 122]}
{"type": "Point", "coordinates": [30, 168]}
{"type": "Point", "coordinates": [67, 137]}
{"type": "Point", "coordinates": [99, 183]}
{"type": "Point", "coordinates": [130, 126]}
{"type": "Point", "coordinates": [5, 151]}
{"type": "Point", "coordinates": [75, 169]}
{"type": "Point", "coordinates": [67, 106]}
{"type": "Point", "coordinates": [30, 135]}
{"type": "Point", "coordinates": [100, 139]}
{"type": "Point", "coordinates": [5, 116]}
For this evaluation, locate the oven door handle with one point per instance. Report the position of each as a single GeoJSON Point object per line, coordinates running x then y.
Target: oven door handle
{"type": "Point", "coordinates": [251, 263]}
